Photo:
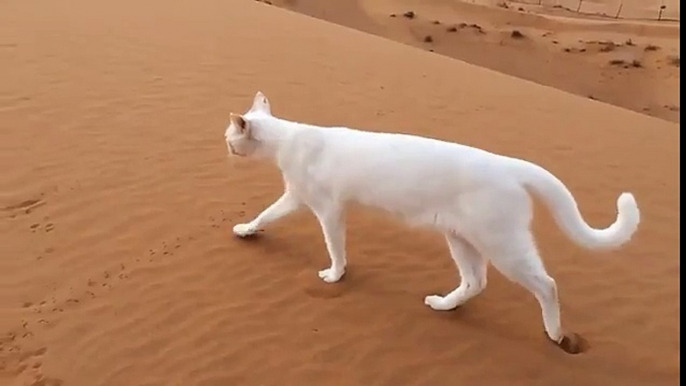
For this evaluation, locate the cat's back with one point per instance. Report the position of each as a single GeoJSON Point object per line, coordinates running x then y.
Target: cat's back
{"type": "Point", "coordinates": [401, 173]}
{"type": "Point", "coordinates": [396, 147]}
{"type": "Point", "coordinates": [355, 155]}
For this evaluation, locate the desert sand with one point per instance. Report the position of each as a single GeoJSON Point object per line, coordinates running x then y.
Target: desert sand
{"type": "Point", "coordinates": [117, 198]}
{"type": "Point", "coordinates": [631, 62]}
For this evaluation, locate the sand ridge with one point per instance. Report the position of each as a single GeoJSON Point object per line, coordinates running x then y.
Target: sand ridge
{"type": "Point", "coordinates": [628, 62]}
{"type": "Point", "coordinates": [117, 266]}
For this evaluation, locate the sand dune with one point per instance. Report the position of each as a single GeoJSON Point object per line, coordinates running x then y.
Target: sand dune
{"type": "Point", "coordinates": [634, 64]}
{"type": "Point", "coordinates": [117, 266]}
{"type": "Point", "coordinates": [625, 9]}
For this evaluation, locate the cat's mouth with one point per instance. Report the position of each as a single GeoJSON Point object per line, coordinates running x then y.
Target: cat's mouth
{"type": "Point", "coordinates": [233, 151]}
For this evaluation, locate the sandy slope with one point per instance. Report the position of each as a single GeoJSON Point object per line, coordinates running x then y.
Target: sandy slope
{"type": "Point", "coordinates": [585, 54]}
{"type": "Point", "coordinates": [117, 266]}
{"type": "Point", "coordinates": [624, 9]}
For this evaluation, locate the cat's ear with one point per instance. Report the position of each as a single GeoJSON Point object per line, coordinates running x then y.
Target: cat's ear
{"type": "Point", "coordinates": [261, 103]}
{"type": "Point", "coordinates": [240, 123]}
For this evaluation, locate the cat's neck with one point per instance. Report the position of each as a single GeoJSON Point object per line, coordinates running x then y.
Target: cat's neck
{"type": "Point", "coordinates": [272, 133]}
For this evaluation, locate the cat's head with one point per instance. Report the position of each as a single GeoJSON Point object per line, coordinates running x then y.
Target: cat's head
{"type": "Point", "coordinates": [238, 135]}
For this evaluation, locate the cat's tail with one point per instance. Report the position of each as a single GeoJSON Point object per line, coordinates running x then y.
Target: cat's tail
{"type": "Point", "coordinates": [566, 213]}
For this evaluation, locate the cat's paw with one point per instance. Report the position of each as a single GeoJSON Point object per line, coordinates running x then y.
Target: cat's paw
{"type": "Point", "coordinates": [331, 275]}
{"type": "Point", "coordinates": [440, 303]}
{"type": "Point", "coordinates": [570, 343]}
{"type": "Point", "coordinates": [244, 230]}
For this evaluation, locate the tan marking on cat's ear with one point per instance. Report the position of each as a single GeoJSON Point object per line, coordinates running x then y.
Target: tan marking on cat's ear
{"type": "Point", "coordinates": [240, 122]}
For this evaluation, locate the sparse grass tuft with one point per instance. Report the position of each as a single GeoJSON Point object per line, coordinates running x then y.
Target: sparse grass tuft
{"type": "Point", "coordinates": [608, 46]}
{"type": "Point", "coordinates": [621, 62]}
{"type": "Point", "coordinates": [477, 28]}
{"type": "Point", "coordinates": [517, 35]}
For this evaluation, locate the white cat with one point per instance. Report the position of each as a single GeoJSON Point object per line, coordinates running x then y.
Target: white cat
{"type": "Point", "coordinates": [479, 200]}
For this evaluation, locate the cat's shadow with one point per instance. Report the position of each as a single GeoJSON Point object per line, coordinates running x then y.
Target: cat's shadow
{"type": "Point", "coordinates": [302, 261]}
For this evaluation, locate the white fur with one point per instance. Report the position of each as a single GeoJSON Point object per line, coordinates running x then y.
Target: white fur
{"type": "Point", "coordinates": [479, 200]}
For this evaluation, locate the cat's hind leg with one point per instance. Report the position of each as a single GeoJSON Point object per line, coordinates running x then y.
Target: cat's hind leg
{"type": "Point", "coordinates": [518, 260]}
{"type": "Point", "coordinates": [286, 204]}
{"type": "Point", "coordinates": [473, 273]}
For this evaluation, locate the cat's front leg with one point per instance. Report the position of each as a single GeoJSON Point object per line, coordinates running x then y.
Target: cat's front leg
{"type": "Point", "coordinates": [332, 222]}
{"type": "Point", "coordinates": [286, 204]}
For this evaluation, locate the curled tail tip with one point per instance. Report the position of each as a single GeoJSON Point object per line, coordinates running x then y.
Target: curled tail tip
{"type": "Point", "coordinates": [627, 208]}
{"type": "Point", "coordinates": [627, 202]}
{"type": "Point", "coordinates": [627, 196]}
